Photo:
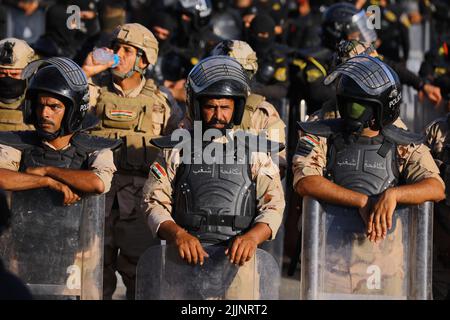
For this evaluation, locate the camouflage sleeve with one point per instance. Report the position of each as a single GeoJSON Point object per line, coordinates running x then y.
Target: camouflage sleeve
{"type": "Point", "coordinates": [269, 192]}
{"type": "Point", "coordinates": [94, 92]}
{"type": "Point", "coordinates": [435, 139]}
{"type": "Point", "coordinates": [9, 158]}
{"type": "Point", "coordinates": [160, 114]}
{"type": "Point", "coordinates": [157, 192]}
{"type": "Point", "coordinates": [266, 117]}
{"type": "Point", "coordinates": [416, 164]}
{"type": "Point", "coordinates": [309, 158]}
{"type": "Point", "coordinates": [101, 162]}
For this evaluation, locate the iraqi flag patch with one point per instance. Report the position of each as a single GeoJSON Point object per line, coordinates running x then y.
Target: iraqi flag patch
{"type": "Point", "coordinates": [158, 171]}
{"type": "Point", "coordinates": [124, 114]}
{"type": "Point", "coordinates": [312, 141]}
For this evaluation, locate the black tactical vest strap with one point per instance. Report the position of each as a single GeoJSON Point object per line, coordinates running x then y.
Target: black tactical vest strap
{"type": "Point", "coordinates": [36, 154]}
{"type": "Point", "coordinates": [88, 143]}
{"type": "Point", "coordinates": [401, 136]}
{"type": "Point", "coordinates": [42, 155]}
{"type": "Point", "coordinates": [322, 128]}
{"type": "Point", "coordinates": [19, 140]}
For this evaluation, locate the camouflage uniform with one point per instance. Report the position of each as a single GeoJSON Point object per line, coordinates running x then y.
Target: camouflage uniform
{"type": "Point", "coordinates": [20, 56]}
{"type": "Point", "coordinates": [415, 164]}
{"type": "Point", "coordinates": [134, 116]}
{"type": "Point", "coordinates": [259, 114]}
{"type": "Point", "coordinates": [158, 201]}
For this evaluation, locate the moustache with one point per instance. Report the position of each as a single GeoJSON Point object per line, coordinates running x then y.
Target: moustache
{"type": "Point", "coordinates": [43, 121]}
{"type": "Point", "coordinates": [216, 121]}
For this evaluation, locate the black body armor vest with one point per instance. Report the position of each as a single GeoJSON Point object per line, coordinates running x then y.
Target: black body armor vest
{"type": "Point", "coordinates": [367, 165]}
{"type": "Point", "coordinates": [362, 164]}
{"type": "Point", "coordinates": [215, 201]}
{"type": "Point", "coordinates": [36, 154]}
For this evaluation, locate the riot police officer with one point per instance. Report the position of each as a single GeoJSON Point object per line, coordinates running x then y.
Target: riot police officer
{"type": "Point", "coordinates": [195, 34]}
{"type": "Point", "coordinates": [15, 55]}
{"type": "Point", "coordinates": [259, 114]}
{"type": "Point", "coordinates": [436, 69]}
{"type": "Point", "coordinates": [342, 21]}
{"type": "Point", "coordinates": [57, 155]}
{"type": "Point", "coordinates": [133, 109]}
{"type": "Point", "coordinates": [363, 118]}
{"type": "Point", "coordinates": [362, 161]}
{"type": "Point", "coordinates": [217, 90]}
{"type": "Point", "coordinates": [393, 34]}
{"type": "Point", "coordinates": [56, 161]}
{"type": "Point", "coordinates": [272, 78]}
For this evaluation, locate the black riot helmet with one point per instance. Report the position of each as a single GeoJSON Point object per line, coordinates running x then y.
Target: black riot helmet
{"type": "Point", "coordinates": [340, 21]}
{"type": "Point", "coordinates": [198, 10]}
{"type": "Point", "coordinates": [65, 79]}
{"type": "Point", "coordinates": [217, 77]}
{"type": "Point", "coordinates": [368, 92]}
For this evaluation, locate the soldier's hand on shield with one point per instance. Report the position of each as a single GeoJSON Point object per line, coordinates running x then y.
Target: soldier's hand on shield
{"type": "Point", "coordinates": [70, 197]}
{"type": "Point", "coordinates": [92, 67]}
{"type": "Point", "coordinates": [380, 219]}
{"type": "Point", "coordinates": [365, 211]}
{"type": "Point", "coordinates": [242, 249]}
{"type": "Point", "coordinates": [190, 248]}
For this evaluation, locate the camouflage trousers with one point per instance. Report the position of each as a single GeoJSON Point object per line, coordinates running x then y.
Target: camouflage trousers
{"type": "Point", "coordinates": [127, 235]}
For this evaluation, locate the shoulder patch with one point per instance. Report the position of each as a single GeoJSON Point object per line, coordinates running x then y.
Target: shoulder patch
{"type": "Point", "coordinates": [158, 171]}
{"type": "Point", "coordinates": [313, 75]}
{"type": "Point", "coordinates": [390, 16]}
{"type": "Point", "coordinates": [439, 71]}
{"type": "Point", "coordinates": [194, 61]}
{"type": "Point", "coordinates": [405, 20]}
{"type": "Point", "coordinates": [281, 74]}
{"type": "Point", "coordinates": [305, 145]}
{"type": "Point", "coordinates": [299, 63]}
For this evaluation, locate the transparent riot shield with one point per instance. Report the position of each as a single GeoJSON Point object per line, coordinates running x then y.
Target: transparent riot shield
{"type": "Point", "coordinates": [163, 275]}
{"type": "Point", "coordinates": [338, 262]}
{"type": "Point", "coordinates": [56, 250]}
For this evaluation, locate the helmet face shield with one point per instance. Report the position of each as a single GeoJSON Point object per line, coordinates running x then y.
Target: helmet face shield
{"type": "Point", "coordinates": [217, 77]}
{"type": "Point", "coordinates": [369, 82]}
{"type": "Point", "coordinates": [354, 110]}
{"type": "Point", "coordinates": [361, 24]}
{"type": "Point", "coordinates": [357, 114]}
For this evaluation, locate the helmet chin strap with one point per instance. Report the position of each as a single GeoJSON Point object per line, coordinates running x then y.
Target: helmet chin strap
{"type": "Point", "coordinates": [47, 135]}
{"type": "Point", "coordinates": [134, 69]}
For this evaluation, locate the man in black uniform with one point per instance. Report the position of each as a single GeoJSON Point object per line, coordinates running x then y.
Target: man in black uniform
{"type": "Point", "coordinates": [436, 69]}
{"type": "Point", "coordinates": [195, 34]}
{"type": "Point", "coordinates": [271, 79]}
{"type": "Point", "coordinates": [342, 21]}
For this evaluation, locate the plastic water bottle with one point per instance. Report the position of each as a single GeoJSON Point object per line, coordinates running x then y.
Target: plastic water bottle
{"type": "Point", "coordinates": [102, 56]}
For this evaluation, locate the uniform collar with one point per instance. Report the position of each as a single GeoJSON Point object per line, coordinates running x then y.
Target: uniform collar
{"type": "Point", "coordinates": [133, 93]}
